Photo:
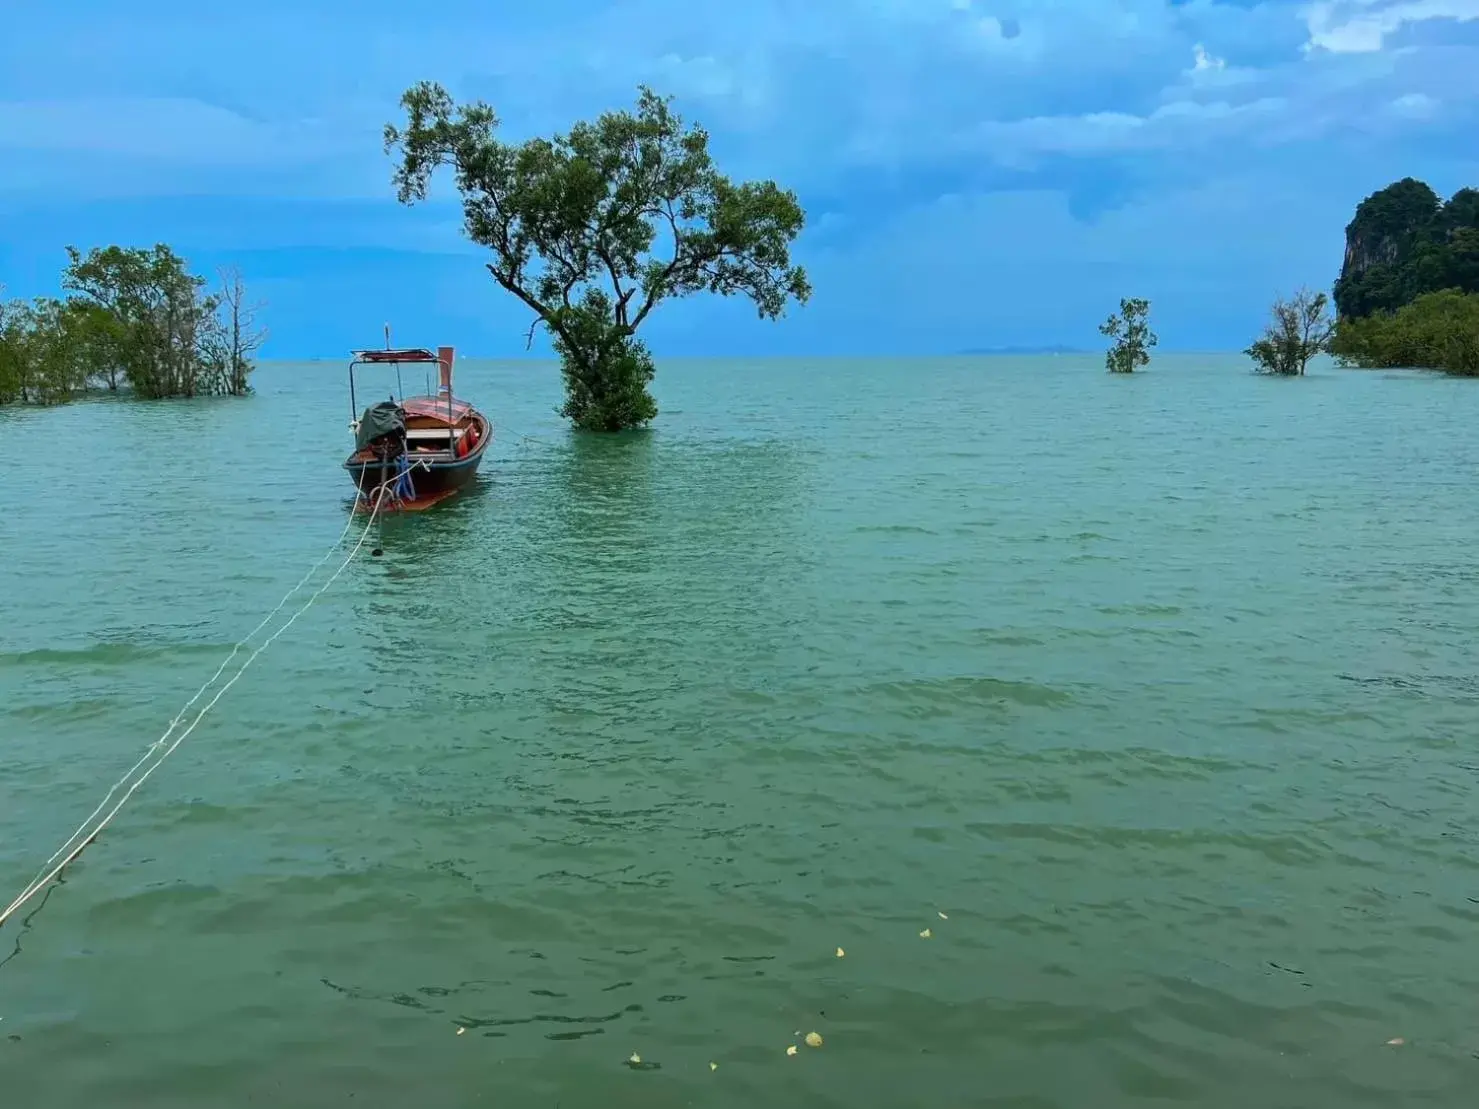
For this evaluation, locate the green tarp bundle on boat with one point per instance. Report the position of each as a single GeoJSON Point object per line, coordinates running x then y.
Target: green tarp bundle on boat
{"type": "Point", "coordinates": [379, 420]}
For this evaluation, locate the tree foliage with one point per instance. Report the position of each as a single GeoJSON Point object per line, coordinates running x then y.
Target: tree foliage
{"type": "Point", "coordinates": [42, 347]}
{"type": "Point", "coordinates": [1299, 329]}
{"type": "Point", "coordinates": [1132, 338]}
{"type": "Point", "coordinates": [134, 317]}
{"type": "Point", "coordinates": [1438, 331]}
{"type": "Point", "coordinates": [593, 229]}
{"type": "Point", "coordinates": [1404, 242]}
{"type": "Point", "coordinates": [160, 310]}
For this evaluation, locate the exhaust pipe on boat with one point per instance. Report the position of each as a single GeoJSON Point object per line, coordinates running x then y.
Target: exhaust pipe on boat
{"type": "Point", "coordinates": [445, 356]}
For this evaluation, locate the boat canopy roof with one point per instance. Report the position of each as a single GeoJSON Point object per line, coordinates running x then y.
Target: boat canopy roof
{"type": "Point", "coordinates": [437, 408]}
{"type": "Point", "coordinates": [404, 354]}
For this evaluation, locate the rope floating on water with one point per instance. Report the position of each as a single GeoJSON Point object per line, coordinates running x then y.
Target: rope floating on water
{"type": "Point", "coordinates": [527, 438]}
{"type": "Point", "coordinates": [163, 747]}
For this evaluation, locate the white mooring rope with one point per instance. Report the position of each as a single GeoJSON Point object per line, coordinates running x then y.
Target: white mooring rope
{"type": "Point", "coordinates": [85, 832]}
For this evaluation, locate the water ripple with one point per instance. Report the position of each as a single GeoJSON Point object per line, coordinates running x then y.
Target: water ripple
{"type": "Point", "coordinates": [1166, 708]}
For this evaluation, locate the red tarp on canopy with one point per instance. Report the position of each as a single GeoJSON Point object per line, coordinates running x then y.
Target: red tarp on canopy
{"type": "Point", "coordinates": [436, 408]}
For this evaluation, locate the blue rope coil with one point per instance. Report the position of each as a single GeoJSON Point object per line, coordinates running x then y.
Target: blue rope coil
{"type": "Point", "coordinates": [404, 489]}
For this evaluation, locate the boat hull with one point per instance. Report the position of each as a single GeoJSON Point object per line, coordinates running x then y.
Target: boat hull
{"type": "Point", "coordinates": [433, 480]}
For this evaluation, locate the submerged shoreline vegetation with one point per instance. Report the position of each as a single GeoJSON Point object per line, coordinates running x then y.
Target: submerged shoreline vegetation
{"type": "Point", "coordinates": [1408, 291]}
{"type": "Point", "coordinates": [1437, 331]}
{"type": "Point", "coordinates": [134, 319]}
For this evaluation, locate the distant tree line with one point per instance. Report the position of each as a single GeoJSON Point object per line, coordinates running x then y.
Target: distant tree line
{"type": "Point", "coordinates": [132, 318]}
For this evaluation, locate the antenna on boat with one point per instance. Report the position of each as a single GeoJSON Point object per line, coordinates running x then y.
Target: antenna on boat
{"type": "Point", "coordinates": [398, 384]}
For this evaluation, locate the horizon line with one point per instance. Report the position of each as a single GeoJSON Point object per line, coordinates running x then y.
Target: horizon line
{"type": "Point", "coordinates": [554, 359]}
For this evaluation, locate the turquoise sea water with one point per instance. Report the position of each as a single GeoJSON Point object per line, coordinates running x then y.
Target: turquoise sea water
{"type": "Point", "coordinates": [1162, 690]}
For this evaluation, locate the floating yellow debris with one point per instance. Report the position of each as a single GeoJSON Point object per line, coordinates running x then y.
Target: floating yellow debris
{"type": "Point", "coordinates": [840, 953]}
{"type": "Point", "coordinates": [941, 915]}
{"type": "Point", "coordinates": [713, 1066]}
{"type": "Point", "coordinates": [1396, 1042]}
{"type": "Point", "coordinates": [813, 1039]}
{"type": "Point", "coordinates": [461, 1030]}
{"type": "Point", "coordinates": [791, 1050]}
{"type": "Point", "coordinates": [926, 934]}
{"type": "Point", "coordinates": [635, 1060]}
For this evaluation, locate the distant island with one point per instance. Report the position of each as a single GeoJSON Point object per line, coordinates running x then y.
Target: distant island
{"type": "Point", "coordinates": [1024, 350]}
{"type": "Point", "coordinates": [1408, 291]}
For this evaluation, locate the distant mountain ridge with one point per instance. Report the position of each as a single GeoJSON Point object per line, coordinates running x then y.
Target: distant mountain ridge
{"type": "Point", "coordinates": [1025, 350]}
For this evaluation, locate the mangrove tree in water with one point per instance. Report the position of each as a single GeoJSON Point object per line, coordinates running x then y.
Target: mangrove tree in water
{"type": "Point", "coordinates": [594, 228]}
{"type": "Point", "coordinates": [1298, 329]}
{"type": "Point", "coordinates": [1132, 338]}
{"type": "Point", "coordinates": [167, 336]}
{"type": "Point", "coordinates": [136, 318]}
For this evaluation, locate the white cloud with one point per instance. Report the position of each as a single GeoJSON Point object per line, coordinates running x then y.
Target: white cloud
{"type": "Point", "coordinates": [1201, 60]}
{"type": "Point", "coordinates": [1362, 26]}
{"type": "Point", "coordinates": [744, 82]}
{"type": "Point", "coordinates": [1209, 72]}
{"type": "Point", "coordinates": [786, 90]}
{"type": "Point", "coordinates": [991, 29]}
{"type": "Point", "coordinates": [1182, 124]}
{"type": "Point", "coordinates": [1233, 214]}
{"type": "Point", "coordinates": [1416, 105]}
{"type": "Point", "coordinates": [177, 130]}
{"type": "Point", "coordinates": [702, 76]}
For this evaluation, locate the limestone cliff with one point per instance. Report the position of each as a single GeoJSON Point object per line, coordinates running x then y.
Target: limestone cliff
{"type": "Point", "coordinates": [1382, 242]}
{"type": "Point", "coordinates": [1404, 242]}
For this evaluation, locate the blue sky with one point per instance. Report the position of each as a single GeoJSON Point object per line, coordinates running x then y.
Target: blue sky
{"type": "Point", "coordinates": [976, 173]}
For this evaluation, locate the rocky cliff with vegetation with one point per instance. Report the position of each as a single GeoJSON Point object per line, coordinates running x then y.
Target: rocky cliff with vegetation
{"type": "Point", "coordinates": [1408, 291]}
{"type": "Point", "coordinates": [1404, 242]}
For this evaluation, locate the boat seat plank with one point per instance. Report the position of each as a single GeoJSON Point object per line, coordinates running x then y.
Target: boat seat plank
{"type": "Point", "coordinates": [434, 432]}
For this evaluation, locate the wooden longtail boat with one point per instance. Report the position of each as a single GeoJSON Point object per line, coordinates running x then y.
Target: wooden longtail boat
{"type": "Point", "coordinates": [420, 450]}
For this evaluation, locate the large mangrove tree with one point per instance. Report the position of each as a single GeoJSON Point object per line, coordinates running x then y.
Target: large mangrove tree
{"type": "Point", "coordinates": [595, 228]}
